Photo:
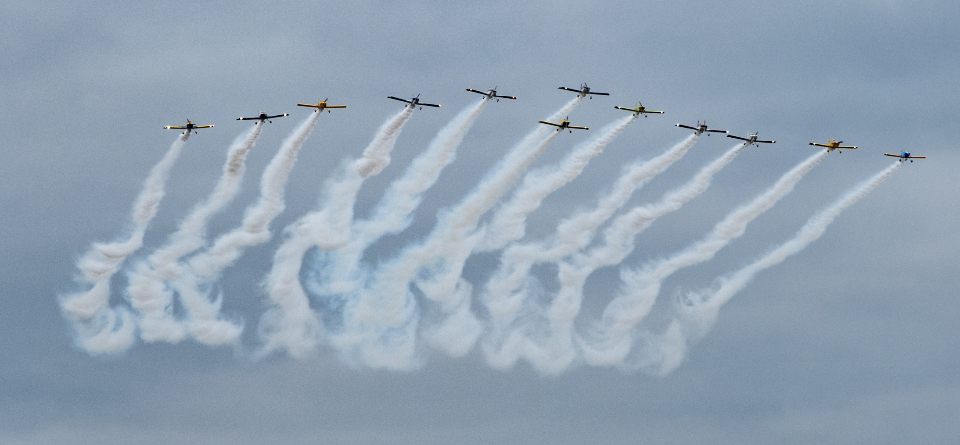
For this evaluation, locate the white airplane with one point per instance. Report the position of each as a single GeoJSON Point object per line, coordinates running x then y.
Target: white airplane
{"type": "Point", "coordinates": [491, 94]}
{"type": "Point", "coordinates": [751, 140]}
{"type": "Point", "coordinates": [702, 128]}
{"type": "Point", "coordinates": [584, 91]}
{"type": "Point", "coordinates": [414, 102]}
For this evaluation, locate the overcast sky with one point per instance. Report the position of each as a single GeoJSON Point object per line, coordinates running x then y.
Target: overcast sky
{"type": "Point", "coordinates": [853, 340]}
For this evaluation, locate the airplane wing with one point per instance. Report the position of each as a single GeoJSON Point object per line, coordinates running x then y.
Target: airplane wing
{"type": "Point", "coordinates": [767, 142]}
{"type": "Point", "coordinates": [570, 89]}
{"type": "Point", "coordinates": [717, 131]}
{"type": "Point", "coordinates": [577, 128]}
{"type": "Point", "coordinates": [918, 157]}
{"type": "Point", "coordinates": [174, 128]}
{"type": "Point", "coordinates": [687, 126]}
{"type": "Point", "coordinates": [652, 112]}
{"type": "Point", "coordinates": [397, 98]}
{"type": "Point", "coordinates": [505, 97]}
{"type": "Point", "coordinates": [279, 115]}
{"type": "Point", "coordinates": [550, 123]}
{"type": "Point", "coordinates": [895, 156]}
{"type": "Point", "coordinates": [738, 137]}
{"type": "Point", "coordinates": [599, 94]}
{"type": "Point", "coordinates": [428, 105]}
{"type": "Point", "coordinates": [819, 145]}
{"type": "Point", "coordinates": [203, 126]}
{"type": "Point", "coordinates": [245, 119]}
{"type": "Point", "coordinates": [475, 91]}
{"type": "Point", "coordinates": [336, 106]}
{"type": "Point", "coordinates": [628, 109]}
{"type": "Point", "coordinates": [851, 147]}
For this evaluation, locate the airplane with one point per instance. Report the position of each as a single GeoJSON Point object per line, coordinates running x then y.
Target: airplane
{"type": "Point", "coordinates": [564, 124]}
{"type": "Point", "coordinates": [640, 109]}
{"type": "Point", "coordinates": [834, 145]}
{"type": "Point", "coordinates": [262, 117]}
{"type": "Point", "coordinates": [751, 140]}
{"type": "Point", "coordinates": [414, 102]}
{"type": "Point", "coordinates": [491, 94]}
{"type": "Point", "coordinates": [701, 128]}
{"type": "Point", "coordinates": [584, 91]}
{"type": "Point", "coordinates": [904, 155]}
{"type": "Point", "coordinates": [321, 105]}
{"type": "Point", "coordinates": [189, 126]}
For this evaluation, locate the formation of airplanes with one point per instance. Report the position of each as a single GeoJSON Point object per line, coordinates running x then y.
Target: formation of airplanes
{"type": "Point", "coordinates": [564, 124]}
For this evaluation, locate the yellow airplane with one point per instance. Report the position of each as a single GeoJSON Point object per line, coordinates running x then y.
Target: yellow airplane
{"type": "Point", "coordinates": [321, 105]}
{"type": "Point", "coordinates": [189, 127]}
{"type": "Point", "coordinates": [904, 155]}
{"type": "Point", "coordinates": [639, 110]}
{"type": "Point", "coordinates": [564, 125]}
{"type": "Point", "coordinates": [834, 145]}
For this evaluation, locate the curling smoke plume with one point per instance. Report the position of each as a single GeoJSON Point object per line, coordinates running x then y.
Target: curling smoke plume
{"type": "Point", "coordinates": [149, 294]}
{"type": "Point", "coordinates": [289, 323]}
{"type": "Point", "coordinates": [100, 328]}
{"type": "Point", "coordinates": [503, 296]}
{"type": "Point", "coordinates": [558, 350]}
{"type": "Point", "coordinates": [204, 322]}
{"type": "Point", "coordinates": [699, 310]}
{"type": "Point", "coordinates": [381, 324]}
{"type": "Point", "coordinates": [639, 288]}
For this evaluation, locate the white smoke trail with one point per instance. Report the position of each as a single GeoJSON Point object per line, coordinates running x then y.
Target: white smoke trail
{"type": "Point", "coordinates": [558, 349]}
{"type": "Point", "coordinates": [501, 295]}
{"type": "Point", "coordinates": [289, 323]}
{"type": "Point", "coordinates": [100, 328]}
{"type": "Point", "coordinates": [380, 324]}
{"type": "Point", "coordinates": [509, 222]}
{"type": "Point", "coordinates": [393, 214]}
{"type": "Point", "coordinates": [204, 322]}
{"type": "Point", "coordinates": [699, 310]}
{"type": "Point", "coordinates": [148, 292]}
{"type": "Point", "coordinates": [639, 288]}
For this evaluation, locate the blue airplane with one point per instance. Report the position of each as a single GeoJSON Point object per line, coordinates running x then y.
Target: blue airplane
{"type": "Point", "coordinates": [904, 155]}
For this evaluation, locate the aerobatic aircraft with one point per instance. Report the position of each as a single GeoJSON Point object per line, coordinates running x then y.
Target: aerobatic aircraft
{"type": "Point", "coordinates": [321, 105]}
{"type": "Point", "coordinates": [904, 155]}
{"type": "Point", "coordinates": [584, 91]}
{"type": "Point", "coordinates": [491, 94]}
{"type": "Point", "coordinates": [702, 128]}
{"type": "Point", "coordinates": [639, 110]}
{"type": "Point", "coordinates": [262, 117]}
{"type": "Point", "coordinates": [834, 145]}
{"type": "Point", "coordinates": [190, 126]}
{"type": "Point", "coordinates": [751, 140]}
{"type": "Point", "coordinates": [414, 102]}
{"type": "Point", "coordinates": [564, 125]}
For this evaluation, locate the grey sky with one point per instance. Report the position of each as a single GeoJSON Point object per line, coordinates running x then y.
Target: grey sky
{"type": "Point", "coordinates": [850, 341]}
